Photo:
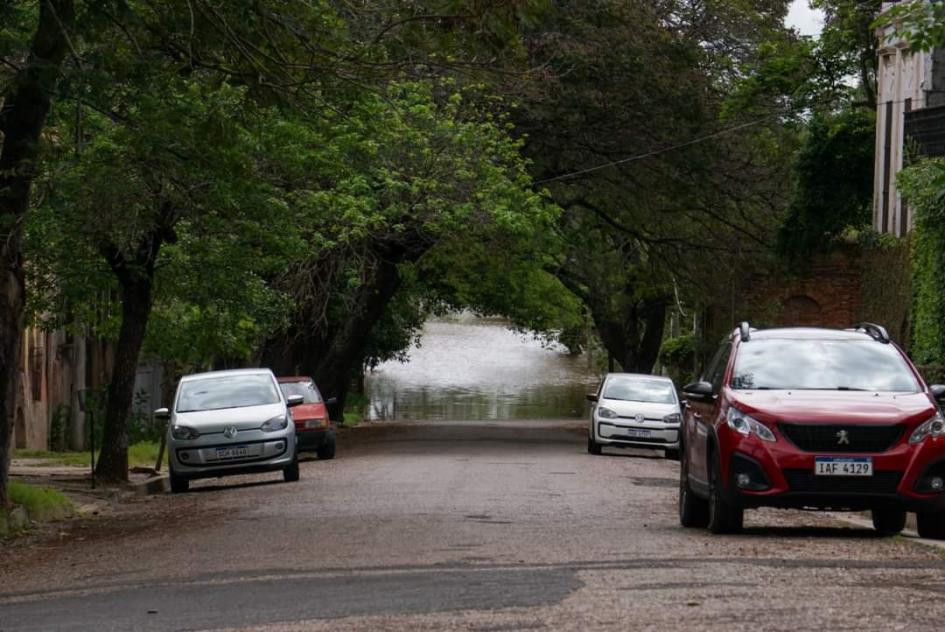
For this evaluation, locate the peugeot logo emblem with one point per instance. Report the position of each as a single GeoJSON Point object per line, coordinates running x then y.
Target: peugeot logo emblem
{"type": "Point", "coordinates": [639, 418]}
{"type": "Point", "coordinates": [843, 437]}
{"type": "Point", "coordinates": [230, 432]}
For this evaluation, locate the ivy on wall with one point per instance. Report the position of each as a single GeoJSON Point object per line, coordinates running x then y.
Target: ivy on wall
{"type": "Point", "coordinates": [923, 185]}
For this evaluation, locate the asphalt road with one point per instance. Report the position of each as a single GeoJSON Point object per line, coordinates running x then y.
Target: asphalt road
{"type": "Point", "coordinates": [486, 527]}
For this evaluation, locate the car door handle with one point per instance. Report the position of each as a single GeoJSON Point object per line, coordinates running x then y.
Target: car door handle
{"type": "Point", "coordinates": [697, 416]}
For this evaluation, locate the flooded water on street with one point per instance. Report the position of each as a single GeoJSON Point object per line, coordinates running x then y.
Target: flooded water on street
{"type": "Point", "coordinates": [468, 368]}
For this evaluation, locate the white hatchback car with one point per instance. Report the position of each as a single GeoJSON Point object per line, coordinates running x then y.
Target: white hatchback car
{"type": "Point", "coordinates": [230, 422]}
{"type": "Point", "coordinates": [635, 411]}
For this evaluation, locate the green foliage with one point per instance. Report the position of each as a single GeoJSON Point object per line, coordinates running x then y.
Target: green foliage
{"type": "Point", "coordinates": [919, 22]}
{"type": "Point", "coordinates": [41, 503]}
{"type": "Point", "coordinates": [923, 186]}
{"type": "Point", "coordinates": [832, 183]}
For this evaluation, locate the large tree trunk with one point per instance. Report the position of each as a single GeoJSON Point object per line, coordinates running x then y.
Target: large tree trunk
{"type": "Point", "coordinates": [337, 367]}
{"type": "Point", "coordinates": [136, 280]}
{"type": "Point", "coordinates": [634, 338]}
{"type": "Point", "coordinates": [23, 110]}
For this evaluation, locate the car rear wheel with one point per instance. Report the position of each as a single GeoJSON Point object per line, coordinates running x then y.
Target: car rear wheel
{"type": "Point", "coordinates": [290, 473]}
{"type": "Point", "coordinates": [723, 516]}
{"type": "Point", "coordinates": [179, 484]}
{"type": "Point", "coordinates": [693, 511]}
{"type": "Point", "coordinates": [931, 525]}
{"type": "Point", "coordinates": [889, 521]}
{"type": "Point", "coordinates": [327, 450]}
{"type": "Point", "coordinates": [592, 446]}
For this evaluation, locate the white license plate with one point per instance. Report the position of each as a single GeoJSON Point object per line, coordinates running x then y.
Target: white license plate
{"type": "Point", "coordinates": [637, 433]}
{"type": "Point", "coordinates": [843, 466]}
{"type": "Point", "coordinates": [235, 452]}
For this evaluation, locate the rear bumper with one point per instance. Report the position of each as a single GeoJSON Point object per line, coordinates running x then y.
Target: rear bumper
{"type": "Point", "coordinates": [783, 476]}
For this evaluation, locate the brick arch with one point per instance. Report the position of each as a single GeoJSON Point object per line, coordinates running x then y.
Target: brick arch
{"type": "Point", "coordinates": [802, 310]}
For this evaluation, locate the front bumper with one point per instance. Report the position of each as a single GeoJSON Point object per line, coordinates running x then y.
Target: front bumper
{"type": "Point", "coordinates": [257, 452]}
{"type": "Point", "coordinates": [781, 475]}
{"type": "Point", "coordinates": [619, 433]}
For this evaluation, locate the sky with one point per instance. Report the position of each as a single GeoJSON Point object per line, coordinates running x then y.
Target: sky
{"type": "Point", "coordinates": [805, 19]}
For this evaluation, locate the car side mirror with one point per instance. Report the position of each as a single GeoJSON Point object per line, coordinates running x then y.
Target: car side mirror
{"type": "Point", "coordinates": [592, 397]}
{"type": "Point", "coordinates": [294, 400]}
{"type": "Point", "coordinates": [699, 391]}
{"type": "Point", "coordinates": [938, 392]}
{"type": "Point", "coordinates": [331, 401]}
{"type": "Point", "coordinates": [162, 413]}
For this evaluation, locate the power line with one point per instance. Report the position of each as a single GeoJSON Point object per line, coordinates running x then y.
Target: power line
{"type": "Point", "coordinates": [657, 152]}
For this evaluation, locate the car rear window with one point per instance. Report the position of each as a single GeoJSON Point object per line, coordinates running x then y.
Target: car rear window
{"type": "Point", "coordinates": [232, 391]}
{"type": "Point", "coordinates": [306, 389]}
{"type": "Point", "coordinates": [640, 390]}
{"type": "Point", "coordinates": [821, 364]}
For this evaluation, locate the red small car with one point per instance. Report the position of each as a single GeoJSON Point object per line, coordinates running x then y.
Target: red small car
{"type": "Point", "coordinates": [813, 418]}
{"type": "Point", "coordinates": [312, 425]}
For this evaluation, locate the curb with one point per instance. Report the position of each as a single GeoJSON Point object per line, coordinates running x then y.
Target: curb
{"type": "Point", "coordinates": [911, 535]}
{"type": "Point", "coordinates": [157, 484]}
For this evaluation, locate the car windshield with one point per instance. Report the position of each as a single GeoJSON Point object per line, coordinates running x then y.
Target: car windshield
{"type": "Point", "coordinates": [306, 389]}
{"type": "Point", "coordinates": [640, 390]}
{"type": "Point", "coordinates": [232, 391]}
{"type": "Point", "coordinates": [830, 365]}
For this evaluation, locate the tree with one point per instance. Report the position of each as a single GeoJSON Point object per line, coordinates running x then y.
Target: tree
{"type": "Point", "coordinates": [919, 22]}
{"type": "Point", "coordinates": [24, 104]}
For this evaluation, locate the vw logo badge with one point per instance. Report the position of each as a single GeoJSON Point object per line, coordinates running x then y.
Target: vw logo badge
{"type": "Point", "coordinates": [230, 432]}
{"type": "Point", "coordinates": [843, 437]}
{"type": "Point", "coordinates": [639, 418]}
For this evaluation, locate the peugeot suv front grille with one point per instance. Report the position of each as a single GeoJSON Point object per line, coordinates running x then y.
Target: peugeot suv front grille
{"type": "Point", "coordinates": [842, 437]}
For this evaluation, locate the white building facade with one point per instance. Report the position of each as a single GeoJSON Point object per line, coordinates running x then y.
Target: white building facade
{"type": "Point", "coordinates": [910, 90]}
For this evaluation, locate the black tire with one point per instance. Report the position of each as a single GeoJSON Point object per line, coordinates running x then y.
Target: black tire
{"type": "Point", "coordinates": [931, 525]}
{"type": "Point", "coordinates": [327, 450]}
{"type": "Point", "coordinates": [592, 446]}
{"type": "Point", "coordinates": [672, 455]}
{"type": "Point", "coordinates": [179, 484]}
{"type": "Point", "coordinates": [889, 521]}
{"type": "Point", "coordinates": [290, 473]}
{"type": "Point", "coordinates": [693, 511]}
{"type": "Point", "coordinates": [723, 516]}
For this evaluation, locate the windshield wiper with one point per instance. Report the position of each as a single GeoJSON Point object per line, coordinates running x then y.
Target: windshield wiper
{"type": "Point", "coordinates": [849, 388]}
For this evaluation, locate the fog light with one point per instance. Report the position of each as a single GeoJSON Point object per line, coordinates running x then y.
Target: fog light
{"type": "Point", "coordinates": [937, 483]}
{"type": "Point", "coordinates": [743, 480]}
{"type": "Point", "coordinates": [184, 456]}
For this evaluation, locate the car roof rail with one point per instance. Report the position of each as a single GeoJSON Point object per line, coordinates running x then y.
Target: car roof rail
{"type": "Point", "coordinates": [744, 330]}
{"type": "Point", "coordinates": [877, 332]}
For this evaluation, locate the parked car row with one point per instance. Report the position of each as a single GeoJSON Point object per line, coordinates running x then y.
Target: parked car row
{"type": "Point", "coordinates": [224, 423]}
{"type": "Point", "coordinates": [794, 418]}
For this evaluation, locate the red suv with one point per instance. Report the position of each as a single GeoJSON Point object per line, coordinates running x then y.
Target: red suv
{"type": "Point", "coordinates": [813, 418]}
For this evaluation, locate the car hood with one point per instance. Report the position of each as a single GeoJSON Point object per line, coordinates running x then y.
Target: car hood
{"type": "Point", "coordinates": [303, 412]}
{"type": "Point", "coordinates": [834, 406]}
{"type": "Point", "coordinates": [647, 409]}
{"type": "Point", "coordinates": [246, 418]}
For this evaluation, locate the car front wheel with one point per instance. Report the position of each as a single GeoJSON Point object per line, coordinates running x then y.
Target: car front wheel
{"type": "Point", "coordinates": [889, 521]}
{"type": "Point", "coordinates": [291, 472]}
{"type": "Point", "coordinates": [931, 525]}
{"type": "Point", "coordinates": [723, 516]}
{"type": "Point", "coordinates": [592, 446]}
{"type": "Point", "coordinates": [179, 484]}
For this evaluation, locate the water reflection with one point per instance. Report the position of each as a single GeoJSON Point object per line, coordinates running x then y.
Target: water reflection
{"type": "Point", "coordinates": [475, 369]}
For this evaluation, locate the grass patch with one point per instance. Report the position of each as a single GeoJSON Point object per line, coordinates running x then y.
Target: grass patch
{"type": "Point", "coordinates": [143, 453]}
{"type": "Point", "coordinates": [41, 503]}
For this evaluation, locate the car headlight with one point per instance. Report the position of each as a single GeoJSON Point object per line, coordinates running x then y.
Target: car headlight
{"type": "Point", "coordinates": [747, 425]}
{"type": "Point", "coordinates": [184, 432]}
{"type": "Point", "coordinates": [606, 413]}
{"type": "Point", "coordinates": [934, 427]}
{"type": "Point", "coordinates": [275, 424]}
{"type": "Point", "coordinates": [672, 418]}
